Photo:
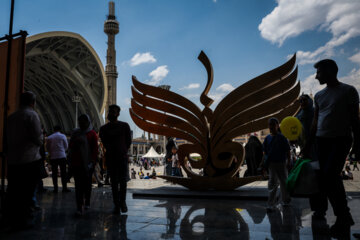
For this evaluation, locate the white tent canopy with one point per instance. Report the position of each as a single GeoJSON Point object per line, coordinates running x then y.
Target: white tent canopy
{"type": "Point", "coordinates": [152, 154]}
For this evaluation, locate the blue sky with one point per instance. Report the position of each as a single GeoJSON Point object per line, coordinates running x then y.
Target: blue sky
{"type": "Point", "coordinates": [159, 40]}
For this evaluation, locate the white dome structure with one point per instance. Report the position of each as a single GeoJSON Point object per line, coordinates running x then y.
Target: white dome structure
{"type": "Point", "coordinates": [58, 66]}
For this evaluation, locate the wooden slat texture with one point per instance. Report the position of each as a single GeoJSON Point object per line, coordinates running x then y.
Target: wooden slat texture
{"type": "Point", "coordinates": [263, 122]}
{"type": "Point", "coordinates": [158, 129]}
{"type": "Point", "coordinates": [253, 100]}
{"type": "Point", "coordinates": [168, 108]}
{"type": "Point", "coordinates": [167, 120]}
{"type": "Point", "coordinates": [167, 95]}
{"type": "Point", "coordinates": [246, 109]}
{"type": "Point", "coordinates": [265, 109]}
{"type": "Point", "coordinates": [256, 83]}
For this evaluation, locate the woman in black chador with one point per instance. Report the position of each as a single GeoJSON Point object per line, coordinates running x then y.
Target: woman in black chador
{"type": "Point", "coordinates": [253, 156]}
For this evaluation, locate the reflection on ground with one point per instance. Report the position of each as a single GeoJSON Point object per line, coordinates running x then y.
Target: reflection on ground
{"type": "Point", "coordinates": [173, 219]}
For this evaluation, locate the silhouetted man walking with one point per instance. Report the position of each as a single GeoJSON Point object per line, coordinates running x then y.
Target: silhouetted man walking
{"type": "Point", "coordinates": [116, 137]}
{"type": "Point", "coordinates": [336, 120]}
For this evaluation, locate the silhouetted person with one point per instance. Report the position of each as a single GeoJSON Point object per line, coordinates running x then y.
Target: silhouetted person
{"type": "Point", "coordinates": [133, 174]}
{"type": "Point", "coordinates": [24, 138]}
{"type": "Point", "coordinates": [175, 163]}
{"type": "Point", "coordinates": [168, 163]}
{"type": "Point", "coordinates": [277, 154]}
{"type": "Point", "coordinates": [336, 120]}
{"type": "Point", "coordinates": [83, 151]}
{"type": "Point", "coordinates": [355, 166]}
{"type": "Point", "coordinates": [305, 116]}
{"type": "Point", "coordinates": [153, 174]}
{"type": "Point", "coordinates": [147, 176]}
{"type": "Point", "coordinates": [116, 137]}
{"type": "Point", "coordinates": [57, 145]}
{"type": "Point", "coordinates": [253, 156]}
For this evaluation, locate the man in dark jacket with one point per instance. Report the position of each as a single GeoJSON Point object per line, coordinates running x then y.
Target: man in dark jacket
{"type": "Point", "coordinates": [116, 137]}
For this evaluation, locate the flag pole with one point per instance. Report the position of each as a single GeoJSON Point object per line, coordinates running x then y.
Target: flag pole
{"type": "Point", "coordinates": [6, 102]}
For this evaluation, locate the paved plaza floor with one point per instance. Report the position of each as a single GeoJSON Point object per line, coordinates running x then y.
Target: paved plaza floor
{"type": "Point", "coordinates": [178, 218]}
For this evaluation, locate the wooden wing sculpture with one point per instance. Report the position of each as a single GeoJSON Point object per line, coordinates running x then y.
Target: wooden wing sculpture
{"type": "Point", "coordinates": [244, 110]}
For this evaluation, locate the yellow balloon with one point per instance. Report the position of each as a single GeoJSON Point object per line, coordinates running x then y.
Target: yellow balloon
{"type": "Point", "coordinates": [291, 128]}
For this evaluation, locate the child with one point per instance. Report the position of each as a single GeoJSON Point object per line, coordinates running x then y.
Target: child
{"type": "Point", "coordinates": [277, 155]}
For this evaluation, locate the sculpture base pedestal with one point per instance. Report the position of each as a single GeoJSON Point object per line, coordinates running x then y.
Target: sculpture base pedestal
{"type": "Point", "coordinates": [243, 193]}
{"type": "Point", "coordinates": [212, 183]}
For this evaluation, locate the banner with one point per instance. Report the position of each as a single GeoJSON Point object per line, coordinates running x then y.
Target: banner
{"type": "Point", "coordinates": [16, 79]}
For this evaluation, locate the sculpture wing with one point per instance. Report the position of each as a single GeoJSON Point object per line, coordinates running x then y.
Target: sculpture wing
{"type": "Point", "coordinates": [247, 108]}
{"type": "Point", "coordinates": [164, 112]}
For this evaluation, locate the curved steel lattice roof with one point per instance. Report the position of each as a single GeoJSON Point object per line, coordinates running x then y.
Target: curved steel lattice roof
{"type": "Point", "coordinates": [58, 66]}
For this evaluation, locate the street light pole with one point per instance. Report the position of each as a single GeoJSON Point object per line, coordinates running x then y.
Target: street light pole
{"type": "Point", "coordinates": [166, 87]}
{"type": "Point", "coordinates": [76, 99]}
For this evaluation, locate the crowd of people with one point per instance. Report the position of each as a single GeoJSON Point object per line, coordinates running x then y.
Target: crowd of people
{"type": "Point", "coordinates": [25, 151]}
{"type": "Point", "coordinates": [141, 174]}
{"type": "Point", "coordinates": [147, 163]}
{"type": "Point", "coordinates": [330, 129]}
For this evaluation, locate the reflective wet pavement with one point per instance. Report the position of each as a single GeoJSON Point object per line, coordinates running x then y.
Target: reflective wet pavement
{"type": "Point", "coordinates": [175, 219]}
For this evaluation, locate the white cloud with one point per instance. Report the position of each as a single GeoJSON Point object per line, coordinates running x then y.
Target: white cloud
{"type": "Point", "coordinates": [226, 87]}
{"type": "Point", "coordinates": [352, 78]}
{"type": "Point", "coordinates": [158, 74]}
{"type": "Point", "coordinates": [355, 58]}
{"type": "Point", "coordinates": [217, 96]}
{"type": "Point", "coordinates": [293, 17]}
{"type": "Point", "coordinates": [127, 101]}
{"type": "Point", "coordinates": [195, 95]}
{"type": "Point", "coordinates": [191, 86]}
{"type": "Point", "coordinates": [220, 92]}
{"type": "Point", "coordinates": [311, 85]}
{"type": "Point", "coordinates": [140, 58]}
